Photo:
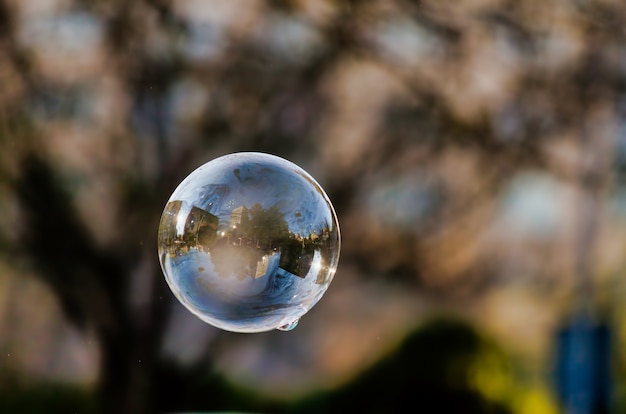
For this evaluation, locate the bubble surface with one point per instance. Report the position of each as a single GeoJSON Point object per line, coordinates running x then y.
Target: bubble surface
{"type": "Point", "coordinates": [289, 326]}
{"type": "Point", "coordinates": [249, 242]}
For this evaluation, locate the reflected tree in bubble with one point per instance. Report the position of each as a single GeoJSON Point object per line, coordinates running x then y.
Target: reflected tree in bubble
{"type": "Point", "coordinates": [249, 242]}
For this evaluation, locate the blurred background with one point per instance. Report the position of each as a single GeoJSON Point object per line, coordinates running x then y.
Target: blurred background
{"type": "Point", "coordinates": [474, 150]}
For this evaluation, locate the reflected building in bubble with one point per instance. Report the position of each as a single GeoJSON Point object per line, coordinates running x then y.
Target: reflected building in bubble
{"type": "Point", "coordinates": [236, 216]}
{"type": "Point", "coordinates": [168, 235]}
{"type": "Point", "coordinates": [199, 229]}
{"type": "Point", "coordinates": [202, 226]}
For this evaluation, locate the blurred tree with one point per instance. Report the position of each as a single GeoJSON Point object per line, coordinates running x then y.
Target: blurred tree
{"type": "Point", "coordinates": [419, 118]}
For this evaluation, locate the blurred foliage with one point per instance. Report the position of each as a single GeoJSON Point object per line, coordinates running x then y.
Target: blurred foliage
{"type": "Point", "coordinates": [47, 398]}
{"type": "Point", "coordinates": [444, 366]}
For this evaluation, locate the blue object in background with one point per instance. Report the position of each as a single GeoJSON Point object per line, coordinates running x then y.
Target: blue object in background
{"type": "Point", "coordinates": [583, 366]}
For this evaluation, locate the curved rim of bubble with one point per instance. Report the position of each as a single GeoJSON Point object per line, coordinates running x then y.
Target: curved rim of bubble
{"type": "Point", "coordinates": [307, 175]}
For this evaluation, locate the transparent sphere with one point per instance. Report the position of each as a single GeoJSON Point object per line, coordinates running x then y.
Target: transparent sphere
{"type": "Point", "coordinates": [249, 242]}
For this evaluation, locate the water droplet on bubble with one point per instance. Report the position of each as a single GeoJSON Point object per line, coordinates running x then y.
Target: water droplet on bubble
{"type": "Point", "coordinates": [290, 326]}
{"type": "Point", "coordinates": [247, 241]}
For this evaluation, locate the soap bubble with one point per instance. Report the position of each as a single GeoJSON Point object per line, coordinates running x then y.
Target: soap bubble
{"type": "Point", "coordinates": [249, 242]}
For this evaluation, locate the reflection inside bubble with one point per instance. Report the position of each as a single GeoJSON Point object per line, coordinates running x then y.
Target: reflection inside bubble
{"type": "Point", "coordinates": [249, 242]}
